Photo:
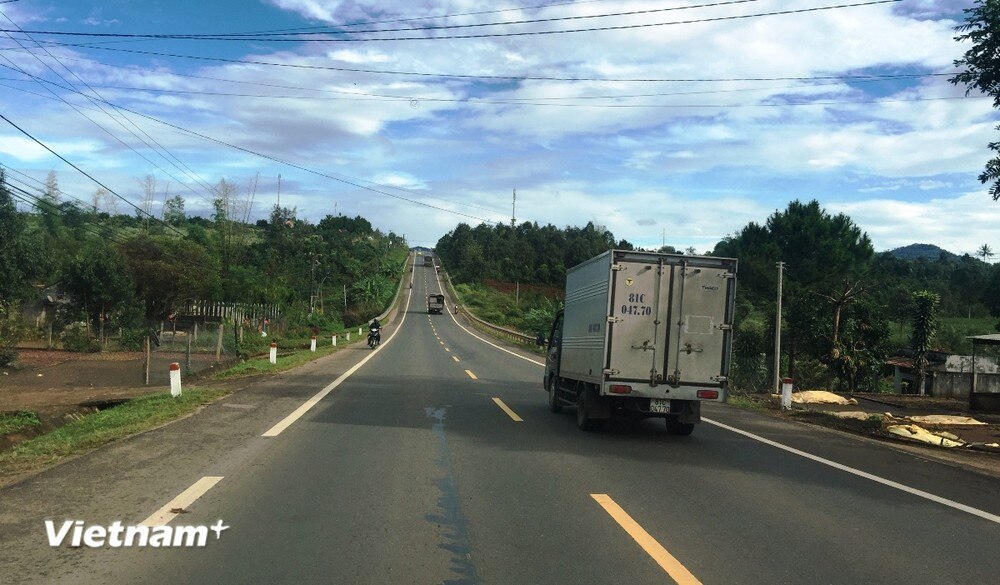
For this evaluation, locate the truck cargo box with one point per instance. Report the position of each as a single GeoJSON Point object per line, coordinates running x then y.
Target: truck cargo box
{"type": "Point", "coordinates": [659, 325]}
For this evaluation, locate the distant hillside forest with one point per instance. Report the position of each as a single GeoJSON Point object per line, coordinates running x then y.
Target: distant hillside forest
{"type": "Point", "coordinates": [129, 271]}
{"type": "Point", "coordinates": [527, 253]}
{"type": "Point", "coordinates": [845, 307]}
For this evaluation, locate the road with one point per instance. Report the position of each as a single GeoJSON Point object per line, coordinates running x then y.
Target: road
{"type": "Point", "coordinates": [437, 461]}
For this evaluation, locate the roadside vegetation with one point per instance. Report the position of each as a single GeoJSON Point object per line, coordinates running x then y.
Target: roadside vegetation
{"type": "Point", "coordinates": [108, 279]}
{"type": "Point", "coordinates": [846, 307]}
{"type": "Point", "coordinates": [96, 429]}
{"type": "Point", "coordinates": [15, 422]}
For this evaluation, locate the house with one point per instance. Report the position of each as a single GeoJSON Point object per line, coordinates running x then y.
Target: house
{"type": "Point", "coordinates": [948, 375]}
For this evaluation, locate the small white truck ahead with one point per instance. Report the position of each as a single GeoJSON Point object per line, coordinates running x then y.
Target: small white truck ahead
{"type": "Point", "coordinates": [642, 335]}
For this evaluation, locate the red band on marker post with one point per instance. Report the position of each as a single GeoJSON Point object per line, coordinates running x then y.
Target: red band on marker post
{"type": "Point", "coordinates": [174, 366]}
{"type": "Point", "coordinates": [274, 345]}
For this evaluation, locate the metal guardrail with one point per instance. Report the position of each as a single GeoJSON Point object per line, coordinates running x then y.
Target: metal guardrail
{"type": "Point", "coordinates": [497, 330]}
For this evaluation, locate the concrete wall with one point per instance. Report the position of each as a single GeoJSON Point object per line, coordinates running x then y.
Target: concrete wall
{"type": "Point", "coordinates": [957, 385]}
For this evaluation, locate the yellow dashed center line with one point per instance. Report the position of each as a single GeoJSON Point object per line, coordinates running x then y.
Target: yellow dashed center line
{"type": "Point", "coordinates": [454, 357]}
{"type": "Point", "coordinates": [447, 350]}
{"type": "Point", "coordinates": [667, 562]}
{"type": "Point", "coordinates": [471, 375]}
{"type": "Point", "coordinates": [505, 408]}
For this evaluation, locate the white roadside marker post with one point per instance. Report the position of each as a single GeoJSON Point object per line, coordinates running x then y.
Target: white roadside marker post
{"type": "Point", "coordinates": [348, 336]}
{"type": "Point", "coordinates": [335, 340]}
{"type": "Point", "coordinates": [274, 353]}
{"type": "Point", "coordinates": [312, 343]}
{"type": "Point", "coordinates": [786, 394]}
{"type": "Point", "coordinates": [175, 379]}
{"type": "Point", "coordinates": [359, 332]}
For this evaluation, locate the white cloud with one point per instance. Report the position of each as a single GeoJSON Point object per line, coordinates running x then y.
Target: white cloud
{"type": "Point", "coordinates": [959, 224]}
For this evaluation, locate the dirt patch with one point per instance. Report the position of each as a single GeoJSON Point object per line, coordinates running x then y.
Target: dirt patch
{"type": "Point", "coordinates": [60, 379]}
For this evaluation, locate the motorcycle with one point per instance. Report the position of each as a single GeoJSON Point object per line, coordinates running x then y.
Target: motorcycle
{"type": "Point", "coordinates": [374, 337]}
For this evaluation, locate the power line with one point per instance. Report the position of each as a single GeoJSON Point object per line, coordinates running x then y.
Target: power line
{"type": "Point", "coordinates": [353, 181]}
{"type": "Point", "coordinates": [504, 34]}
{"type": "Point", "coordinates": [469, 101]}
{"type": "Point", "coordinates": [81, 171]}
{"type": "Point", "coordinates": [119, 122]}
{"type": "Point", "coordinates": [435, 17]}
{"type": "Point", "coordinates": [469, 75]}
{"type": "Point", "coordinates": [277, 36]}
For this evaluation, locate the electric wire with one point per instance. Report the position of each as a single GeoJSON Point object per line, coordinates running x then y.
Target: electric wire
{"type": "Point", "coordinates": [268, 36]}
{"type": "Point", "coordinates": [477, 76]}
{"type": "Point", "coordinates": [536, 100]}
{"type": "Point", "coordinates": [185, 170]}
{"type": "Point", "coordinates": [81, 171]}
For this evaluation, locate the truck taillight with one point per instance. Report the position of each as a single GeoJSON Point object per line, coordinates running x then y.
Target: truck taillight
{"type": "Point", "coordinates": [620, 389]}
{"type": "Point", "coordinates": [708, 394]}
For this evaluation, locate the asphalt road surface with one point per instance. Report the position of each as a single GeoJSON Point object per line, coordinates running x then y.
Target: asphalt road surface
{"type": "Point", "coordinates": [437, 461]}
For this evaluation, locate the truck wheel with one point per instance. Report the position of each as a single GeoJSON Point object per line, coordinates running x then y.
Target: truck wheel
{"type": "Point", "coordinates": [554, 405]}
{"type": "Point", "coordinates": [675, 427]}
{"type": "Point", "coordinates": [583, 419]}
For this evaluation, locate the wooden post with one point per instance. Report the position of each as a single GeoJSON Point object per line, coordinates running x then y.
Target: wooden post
{"type": "Point", "coordinates": [187, 355]}
{"type": "Point", "coordinates": [146, 365]}
{"type": "Point", "coordinates": [196, 332]}
{"type": "Point", "coordinates": [218, 343]}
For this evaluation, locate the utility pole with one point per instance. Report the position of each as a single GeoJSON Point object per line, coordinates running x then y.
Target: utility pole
{"type": "Point", "coordinates": [777, 332]}
{"type": "Point", "coordinates": [513, 209]}
{"type": "Point", "coordinates": [279, 191]}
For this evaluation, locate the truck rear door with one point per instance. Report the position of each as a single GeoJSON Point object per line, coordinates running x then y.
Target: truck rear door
{"type": "Point", "coordinates": [637, 324]}
{"type": "Point", "coordinates": [700, 328]}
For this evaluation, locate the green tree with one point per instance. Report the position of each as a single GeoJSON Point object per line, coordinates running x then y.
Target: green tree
{"type": "Point", "coordinates": [173, 210]}
{"type": "Point", "coordinates": [827, 258]}
{"type": "Point", "coordinates": [985, 252]}
{"type": "Point", "coordinates": [981, 64]}
{"type": "Point", "coordinates": [19, 265]}
{"type": "Point", "coordinates": [96, 280]}
{"type": "Point", "coordinates": [165, 272]}
{"type": "Point", "coordinates": [925, 324]}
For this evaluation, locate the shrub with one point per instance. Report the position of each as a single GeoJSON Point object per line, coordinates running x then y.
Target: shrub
{"type": "Point", "coordinates": [12, 331]}
{"type": "Point", "coordinates": [75, 338]}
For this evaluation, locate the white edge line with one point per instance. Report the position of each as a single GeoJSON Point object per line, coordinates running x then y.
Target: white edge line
{"type": "Point", "coordinates": [886, 482]}
{"type": "Point", "coordinates": [440, 288]}
{"type": "Point", "coordinates": [164, 515]}
{"type": "Point", "coordinates": [308, 404]}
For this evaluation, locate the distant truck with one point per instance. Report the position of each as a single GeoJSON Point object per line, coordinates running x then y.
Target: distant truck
{"type": "Point", "coordinates": [435, 303]}
{"type": "Point", "coordinates": [642, 335]}
{"type": "Point", "coordinates": [428, 260]}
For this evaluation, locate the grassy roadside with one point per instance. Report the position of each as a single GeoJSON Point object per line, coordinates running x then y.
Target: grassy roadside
{"type": "Point", "coordinates": [143, 413]}
{"type": "Point", "coordinates": [14, 422]}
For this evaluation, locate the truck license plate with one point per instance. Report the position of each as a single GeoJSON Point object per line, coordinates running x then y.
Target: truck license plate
{"type": "Point", "coordinates": [659, 405]}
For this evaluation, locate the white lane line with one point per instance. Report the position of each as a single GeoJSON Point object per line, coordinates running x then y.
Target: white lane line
{"type": "Point", "coordinates": [654, 549]}
{"type": "Point", "coordinates": [178, 505]}
{"type": "Point", "coordinates": [308, 404]}
{"type": "Point", "coordinates": [886, 482]}
{"type": "Point", "coordinates": [507, 409]}
{"type": "Point", "coordinates": [483, 340]}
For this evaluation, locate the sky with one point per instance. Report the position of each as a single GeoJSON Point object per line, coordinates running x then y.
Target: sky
{"type": "Point", "coordinates": [678, 123]}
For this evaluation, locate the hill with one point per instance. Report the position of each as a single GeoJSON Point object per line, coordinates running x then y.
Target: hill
{"type": "Point", "coordinates": [925, 251]}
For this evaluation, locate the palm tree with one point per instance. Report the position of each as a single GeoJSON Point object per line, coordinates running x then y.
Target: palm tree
{"type": "Point", "coordinates": [985, 252]}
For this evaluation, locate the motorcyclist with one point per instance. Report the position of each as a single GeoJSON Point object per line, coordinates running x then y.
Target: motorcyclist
{"type": "Point", "coordinates": [374, 332]}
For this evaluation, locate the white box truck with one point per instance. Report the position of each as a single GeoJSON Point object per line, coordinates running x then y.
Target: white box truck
{"type": "Point", "coordinates": [642, 335]}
